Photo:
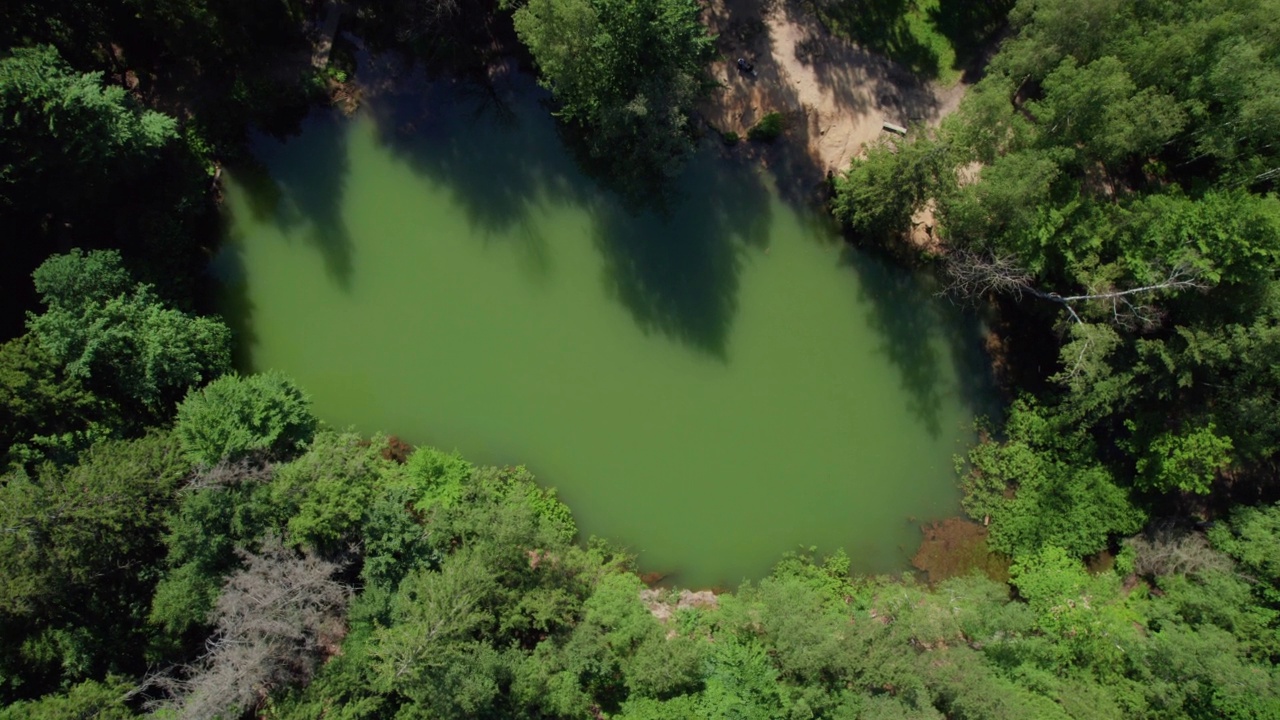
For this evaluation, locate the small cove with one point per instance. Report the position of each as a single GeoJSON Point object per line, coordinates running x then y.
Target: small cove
{"type": "Point", "coordinates": [710, 383]}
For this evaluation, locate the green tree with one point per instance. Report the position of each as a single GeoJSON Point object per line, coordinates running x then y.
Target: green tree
{"type": "Point", "coordinates": [62, 132]}
{"type": "Point", "coordinates": [235, 416]}
{"type": "Point", "coordinates": [880, 192]}
{"type": "Point", "coordinates": [1189, 460]}
{"type": "Point", "coordinates": [1005, 208]}
{"type": "Point", "coordinates": [1043, 486]}
{"type": "Point", "coordinates": [742, 683]}
{"type": "Point", "coordinates": [78, 559]}
{"type": "Point", "coordinates": [75, 280]}
{"type": "Point", "coordinates": [1251, 538]}
{"type": "Point", "coordinates": [1098, 107]}
{"type": "Point", "coordinates": [1126, 167]}
{"type": "Point", "coordinates": [89, 699]}
{"type": "Point", "coordinates": [44, 414]}
{"type": "Point", "coordinates": [83, 163]}
{"type": "Point", "coordinates": [222, 509]}
{"type": "Point", "coordinates": [127, 345]}
{"type": "Point", "coordinates": [326, 492]}
{"type": "Point", "coordinates": [625, 72]}
{"type": "Point", "coordinates": [430, 655]}
{"type": "Point", "coordinates": [1081, 612]}
{"type": "Point", "coordinates": [1228, 235]}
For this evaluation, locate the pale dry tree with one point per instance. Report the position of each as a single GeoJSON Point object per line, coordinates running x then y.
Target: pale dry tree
{"type": "Point", "coordinates": [972, 275]}
{"type": "Point", "coordinates": [254, 468]}
{"type": "Point", "coordinates": [274, 621]}
{"type": "Point", "coordinates": [1169, 550]}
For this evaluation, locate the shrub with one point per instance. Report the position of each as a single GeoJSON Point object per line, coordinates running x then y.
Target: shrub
{"type": "Point", "coordinates": [730, 138]}
{"type": "Point", "coordinates": [768, 129]}
{"type": "Point", "coordinates": [234, 416]}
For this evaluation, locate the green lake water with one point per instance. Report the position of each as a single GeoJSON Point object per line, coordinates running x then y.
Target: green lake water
{"type": "Point", "coordinates": [709, 384]}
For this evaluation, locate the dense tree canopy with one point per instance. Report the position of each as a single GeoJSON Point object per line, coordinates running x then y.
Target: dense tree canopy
{"type": "Point", "coordinates": [234, 416]}
{"type": "Point", "coordinates": [1114, 175]}
{"type": "Point", "coordinates": [44, 413]}
{"type": "Point", "coordinates": [626, 73]}
{"type": "Point", "coordinates": [63, 131]}
{"type": "Point", "coordinates": [179, 541]}
{"type": "Point", "coordinates": [78, 560]}
{"type": "Point", "coordinates": [121, 339]}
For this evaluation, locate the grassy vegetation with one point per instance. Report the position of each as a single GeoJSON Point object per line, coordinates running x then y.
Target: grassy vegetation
{"type": "Point", "coordinates": [934, 38]}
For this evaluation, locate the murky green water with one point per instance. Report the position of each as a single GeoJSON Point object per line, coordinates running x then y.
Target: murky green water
{"type": "Point", "coordinates": [711, 385]}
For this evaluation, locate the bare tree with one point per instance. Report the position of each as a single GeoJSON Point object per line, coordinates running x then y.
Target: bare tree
{"type": "Point", "coordinates": [275, 620]}
{"type": "Point", "coordinates": [253, 468]}
{"type": "Point", "coordinates": [973, 275]}
{"type": "Point", "coordinates": [1167, 550]}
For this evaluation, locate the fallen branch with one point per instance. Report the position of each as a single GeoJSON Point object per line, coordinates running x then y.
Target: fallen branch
{"type": "Point", "coordinates": [975, 275]}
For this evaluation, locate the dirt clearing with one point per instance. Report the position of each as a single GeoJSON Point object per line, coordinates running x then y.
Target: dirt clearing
{"type": "Point", "coordinates": [835, 95]}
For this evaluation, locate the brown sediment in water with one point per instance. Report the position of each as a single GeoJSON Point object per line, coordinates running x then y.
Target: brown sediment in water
{"type": "Point", "coordinates": [652, 579]}
{"type": "Point", "coordinates": [956, 547]}
{"type": "Point", "coordinates": [397, 450]}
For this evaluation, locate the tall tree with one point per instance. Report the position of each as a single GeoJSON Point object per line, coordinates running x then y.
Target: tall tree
{"type": "Point", "coordinates": [125, 344]}
{"type": "Point", "coordinates": [44, 413]}
{"type": "Point", "coordinates": [234, 416]}
{"type": "Point", "coordinates": [78, 552]}
{"type": "Point", "coordinates": [626, 74]}
{"type": "Point", "coordinates": [64, 134]}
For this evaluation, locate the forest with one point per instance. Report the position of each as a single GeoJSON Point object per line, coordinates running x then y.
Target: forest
{"type": "Point", "coordinates": [179, 539]}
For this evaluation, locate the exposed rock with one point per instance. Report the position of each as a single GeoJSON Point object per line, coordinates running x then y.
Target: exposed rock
{"type": "Point", "coordinates": [664, 603]}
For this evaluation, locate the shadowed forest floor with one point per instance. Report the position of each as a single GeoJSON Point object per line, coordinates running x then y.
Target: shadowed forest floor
{"type": "Point", "coordinates": [835, 95]}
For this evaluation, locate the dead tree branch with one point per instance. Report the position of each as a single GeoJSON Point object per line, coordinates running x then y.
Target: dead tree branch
{"type": "Point", "coordinates": [254, 468]}
{"type": "Point", "coordinates": [975, 275]}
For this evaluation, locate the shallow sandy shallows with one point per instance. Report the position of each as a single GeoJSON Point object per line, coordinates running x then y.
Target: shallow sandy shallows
{"type": "Point", "coordinates": [836, 96]}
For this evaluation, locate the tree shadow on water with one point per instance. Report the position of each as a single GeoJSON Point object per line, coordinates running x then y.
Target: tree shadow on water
{"type": "Point", "coordinates": [671, 258]}
{"type": "Point", "coordinates": [491, 147]}
{"type": "Point", "coordinates": [234, 304]}
{"type": "Point", "coordinates": [675, 264]}
{"type": "Point", "coordinates": [921, 335]}
{"type": "Point", "coordinates": [300, 182]}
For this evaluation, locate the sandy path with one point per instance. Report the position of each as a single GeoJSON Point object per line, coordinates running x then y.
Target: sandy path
{"type": "Point", "coordinates": [836, 96]}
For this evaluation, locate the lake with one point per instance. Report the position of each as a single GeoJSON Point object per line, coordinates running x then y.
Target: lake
{"type": "Point", "coordinates": [709, 383]}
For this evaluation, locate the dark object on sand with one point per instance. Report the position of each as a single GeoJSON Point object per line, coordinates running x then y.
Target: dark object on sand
{"type": "Point", "coordinates": [745, 66]}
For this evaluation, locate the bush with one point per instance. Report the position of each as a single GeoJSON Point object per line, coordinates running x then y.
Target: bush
{"type": "Point", "coordinates": [768, 129]}
{"type": "Point", "coordinates": [234, 416]}
{"type": "Point", "coordinates": [730, 138]}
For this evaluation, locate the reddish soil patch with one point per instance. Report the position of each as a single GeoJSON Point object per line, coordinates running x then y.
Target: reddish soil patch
{"type": "Point", "coordinates": [955, 547]}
